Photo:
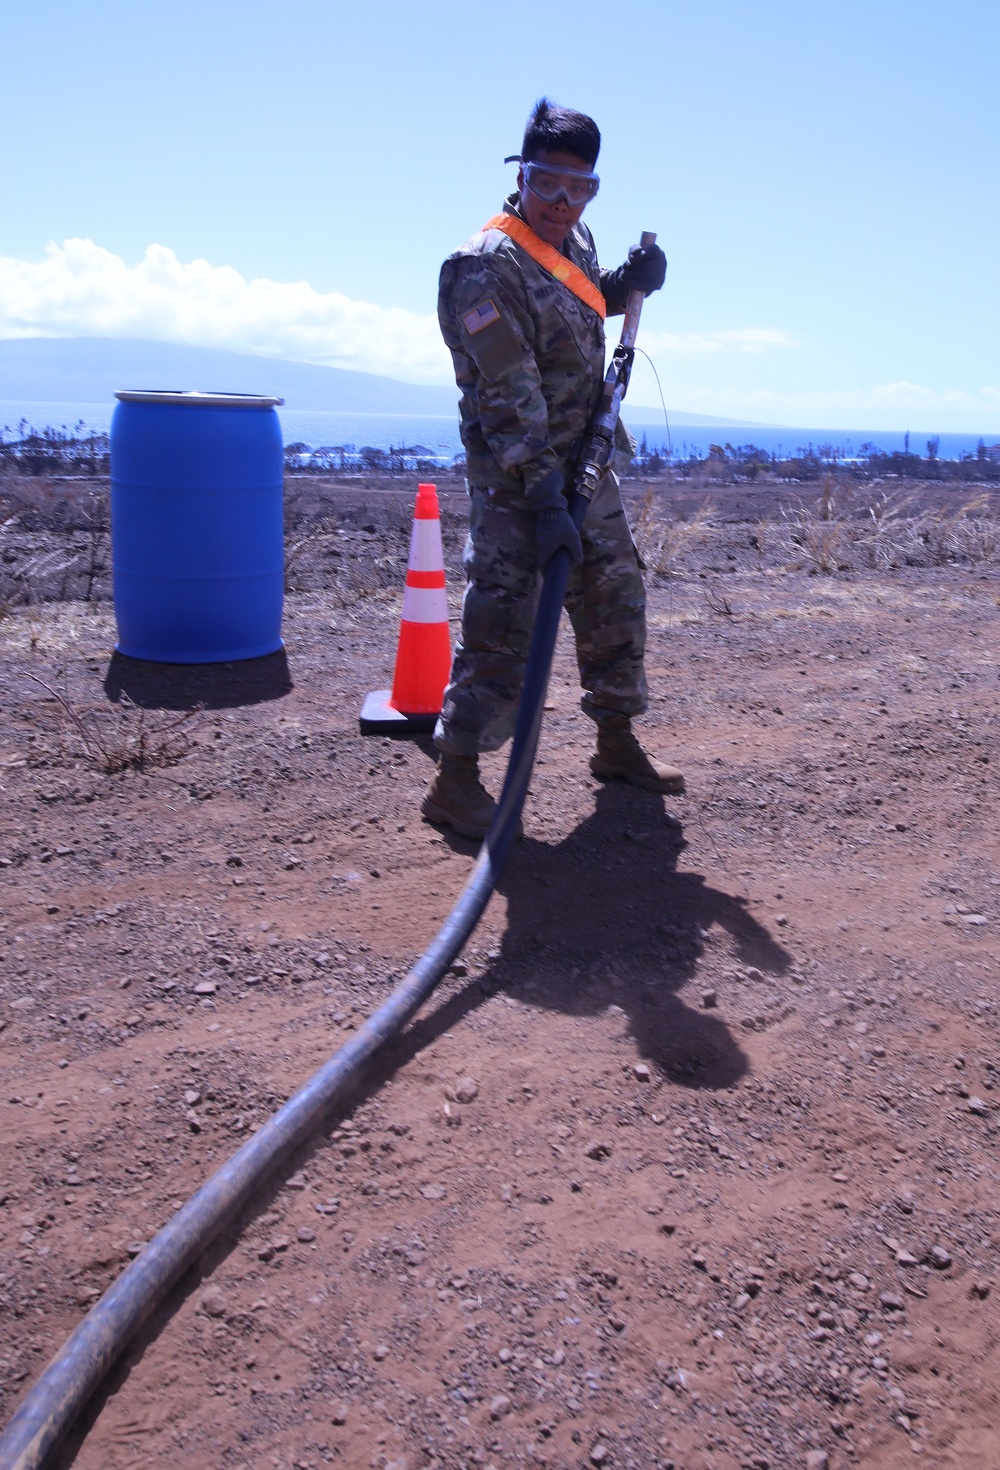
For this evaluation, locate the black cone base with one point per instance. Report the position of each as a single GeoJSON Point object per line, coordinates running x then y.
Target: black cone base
{"type": "Point", "coordinates": [379, 718]}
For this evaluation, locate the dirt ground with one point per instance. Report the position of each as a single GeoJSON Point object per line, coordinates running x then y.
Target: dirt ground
{"type": "Point", "coordinates": [691, 1162]}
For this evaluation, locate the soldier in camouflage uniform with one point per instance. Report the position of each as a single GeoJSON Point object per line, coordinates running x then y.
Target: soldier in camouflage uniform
{"type": "Point", "coordinates": [529, 359]}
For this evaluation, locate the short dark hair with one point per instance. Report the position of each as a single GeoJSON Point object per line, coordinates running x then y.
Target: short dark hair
{"type": "Point", "coordinates": [560, 130]}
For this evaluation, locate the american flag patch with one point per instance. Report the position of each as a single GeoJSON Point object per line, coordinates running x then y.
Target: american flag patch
{"type": "Point", "coordinates": [479, 317]}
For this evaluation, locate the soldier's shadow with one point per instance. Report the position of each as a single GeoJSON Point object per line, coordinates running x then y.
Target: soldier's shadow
{"type": "Point", "coordinates": [606, 917]}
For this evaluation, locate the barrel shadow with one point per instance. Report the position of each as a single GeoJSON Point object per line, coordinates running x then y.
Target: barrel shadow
{"type": "Point", "coordinates": [183, 686]}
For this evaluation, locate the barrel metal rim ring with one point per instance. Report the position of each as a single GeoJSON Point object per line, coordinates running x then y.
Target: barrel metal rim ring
{"type": "Point", "coordinates": [195, 399]}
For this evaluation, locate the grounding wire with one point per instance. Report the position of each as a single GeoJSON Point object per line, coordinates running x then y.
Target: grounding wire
{"type": "Point", "coordinates": [663, 401]}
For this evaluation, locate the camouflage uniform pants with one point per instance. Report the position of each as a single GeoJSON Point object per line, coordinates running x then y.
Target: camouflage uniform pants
{"type": "Point", "coordinates": [605, 600]}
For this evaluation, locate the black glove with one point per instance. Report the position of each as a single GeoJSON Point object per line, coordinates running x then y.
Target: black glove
{"type": "Point", "coordinates": [555, 529]}
{"type": "Point", "coordinates": [645, 270]}
{"type": "Point", "coordinates": [553, 523]}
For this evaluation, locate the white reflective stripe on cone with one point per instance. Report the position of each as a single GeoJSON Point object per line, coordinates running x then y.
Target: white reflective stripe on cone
{"type": "Point", "coordinates": [425, 547]}
{"type": "Point", "coordinates": [425, 605]}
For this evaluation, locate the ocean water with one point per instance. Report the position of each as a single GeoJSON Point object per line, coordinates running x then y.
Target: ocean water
{"type": "Point", "coordinates": [439, 436]}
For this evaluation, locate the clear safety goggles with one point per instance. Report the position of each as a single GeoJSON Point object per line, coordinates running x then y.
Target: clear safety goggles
{"type": "Point", "coordinates": [551, 184]}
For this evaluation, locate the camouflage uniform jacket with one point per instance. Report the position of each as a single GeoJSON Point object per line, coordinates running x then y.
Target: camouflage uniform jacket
{"type": "Point", "coordinates": [528, 355]}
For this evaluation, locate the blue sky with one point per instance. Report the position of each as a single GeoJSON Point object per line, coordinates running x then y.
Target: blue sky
{"type": "Point", "coordinates": [824, 181]}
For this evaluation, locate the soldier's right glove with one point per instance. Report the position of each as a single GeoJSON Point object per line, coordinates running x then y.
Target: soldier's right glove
{"type": "Point", "coordinates": [555, 529]}
{"type": "Point", "coordinates": [645, 271]}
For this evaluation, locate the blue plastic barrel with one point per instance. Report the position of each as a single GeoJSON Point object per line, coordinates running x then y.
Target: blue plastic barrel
{"type": "Point", "coordinates": [196, 526]}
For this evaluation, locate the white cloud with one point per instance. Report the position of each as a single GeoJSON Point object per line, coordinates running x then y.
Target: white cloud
{"type": "Point", "coordinates": [82, 290]}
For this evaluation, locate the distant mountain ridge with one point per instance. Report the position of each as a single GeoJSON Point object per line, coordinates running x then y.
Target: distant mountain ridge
{"type": "Point", "coordinates": [92, 369]}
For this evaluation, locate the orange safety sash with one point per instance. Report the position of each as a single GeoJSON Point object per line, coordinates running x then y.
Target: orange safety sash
{"type": "Point", "coordinates": [549, 258]}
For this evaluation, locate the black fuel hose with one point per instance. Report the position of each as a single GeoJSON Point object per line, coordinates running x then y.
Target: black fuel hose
{"type": "Point", "coordinates": [54, 1402]}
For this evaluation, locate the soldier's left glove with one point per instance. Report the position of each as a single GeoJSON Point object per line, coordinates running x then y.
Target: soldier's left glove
{"type": "Point", "coordinates": [645, 271]}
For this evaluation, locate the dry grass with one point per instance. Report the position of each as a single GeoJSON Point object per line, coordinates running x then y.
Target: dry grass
{"type": "Point", "coordinates": [970, 533]}
{"type": "Point", "coordinates": [124, 736]}
{"type": "Point", "coordinates": [718, 603]}
{"type": "Point", "coordinates": [665, 543]}
{"type": "Point", "coordinates": [22, 578]}
{"type": "Point", "coordinates": [845, 530]}
{"type": "Point", "coordinates": [820, 534]}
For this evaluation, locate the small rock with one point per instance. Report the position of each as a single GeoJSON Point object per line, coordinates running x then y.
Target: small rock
{"type": "Point", "coordinates": [709, 999]}
{"type": "Point", "coordinates": [338, 1414]}
{"type": "Point", "coordinates": [752, 973]}
{"type": "Point", "coordinates": [977, 920]}
{"type": "Point", "coordinates": [598, 1150]}
{"type": "Point", "coordinates": [599, 1454]}
{"type": "Point", "coordinates": [939, 1257]}
{"type": "Point", "coordinates": [499, 1406]}
{"type": "Point", "coordinates": [212, 1302]}
{"type": "Point", "coordinates": [558, 1358]}
{"type": "Point", "coordinates": [978, 1106]}
{"type": "Point", "coordinates": [979, 1290]}
{"type": "Point", "coordinates": [466, 1090]}
{"type": "Point", "coordinates": [905, 1258]}
{"type": "Point", "coordinates": [641, 1072]}
{"type": "Point", "coordinates": [191, 1097]}
{"type": "Point", "coordinates": [280, 1243]}
{"type": "Point", "coordinates": [381, 1353]}
{"type": "Point", "coordinates": [305, 1233]}
{"type": "Point", "coordinates": [205, 987]}
{"type": "Point", "coordinates": [817, 1460]}
{"type": "Point", "coordinates": [892, 1301]}
{"type": "Point", "coordinates": [432, 1191]}
{"type": "Point", "coordinates": [858, 1281]}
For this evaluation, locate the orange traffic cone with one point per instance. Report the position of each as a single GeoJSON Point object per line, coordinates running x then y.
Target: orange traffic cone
{"type": "Point", "coordinates": [423, 658]}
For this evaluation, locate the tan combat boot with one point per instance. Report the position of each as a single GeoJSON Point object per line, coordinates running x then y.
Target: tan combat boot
{"type": "Point", "coordinates": [456, 797]}
{"type": "Point", "coordinates": [620, 754]}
